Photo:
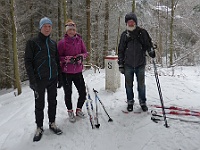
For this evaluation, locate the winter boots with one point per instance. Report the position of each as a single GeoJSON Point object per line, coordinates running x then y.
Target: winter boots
{"type": "Point", "coordinates": [144, 106]}
{"type": "Point", "coordinates": [39, 131]}
{"type": "Point", "coordinates": [130, 105]}
{"type": "Point", "coordinates": [54, 128]}
{"type": "Point", "coordinates": [38, 134]}
{"type": "Point", "coordinates": [71, 116]}
{"type": "Point", "coordinates": [79, 113]}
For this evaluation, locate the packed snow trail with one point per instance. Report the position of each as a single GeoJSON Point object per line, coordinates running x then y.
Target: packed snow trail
{"type": "Point", "coordinates": [136, 131]}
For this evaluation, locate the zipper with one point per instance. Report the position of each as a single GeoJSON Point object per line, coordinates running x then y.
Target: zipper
{"type": "Point", "coordinates": [50, 69]}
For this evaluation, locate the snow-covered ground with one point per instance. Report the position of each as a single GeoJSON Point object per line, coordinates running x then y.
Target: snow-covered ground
{"type": "Point", "coordinates": [127, 131]}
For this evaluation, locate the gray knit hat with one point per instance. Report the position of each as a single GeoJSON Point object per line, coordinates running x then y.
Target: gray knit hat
{"type": "Point", "coordinates": [43, 21]}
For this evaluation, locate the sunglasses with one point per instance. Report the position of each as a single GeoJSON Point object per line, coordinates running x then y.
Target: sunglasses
{"type": "Point", "coordinates": [70, 25]}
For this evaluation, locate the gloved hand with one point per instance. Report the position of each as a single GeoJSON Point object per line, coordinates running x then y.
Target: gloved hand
{"type": "Point", "coordinates": [121, 69]}
{"type": "Point", "coordinates": [60, 81]}
{"type": "Point", "coordinates": [68, 59]}
{"type": "Point", "coordinates": [79, 59]}
{"type": "Point", "coordinates": [34, 86]}
{"type": "Point", "coordinates": [73, 60]}
{"type": "Point", "coordinates": [152, 53]}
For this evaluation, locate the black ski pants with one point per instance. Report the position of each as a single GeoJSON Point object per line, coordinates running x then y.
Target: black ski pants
{"type": "Point", "coordinates": [51, 87]}
{"type": "Point", "coordinates": [79, 83]}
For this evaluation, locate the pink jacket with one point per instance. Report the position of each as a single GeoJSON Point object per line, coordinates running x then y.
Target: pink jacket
{"type": "Point", "coordinates": [70, 47]}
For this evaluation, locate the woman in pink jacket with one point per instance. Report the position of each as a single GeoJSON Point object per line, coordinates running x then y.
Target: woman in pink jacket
{"type": "Point", "coordinates": [72, 51]}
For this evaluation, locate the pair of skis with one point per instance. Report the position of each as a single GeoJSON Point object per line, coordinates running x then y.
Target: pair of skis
{"type": "Point", "coordinates": [174, 110]}
{"type": "Point", "coordinates": [179, 110]}
{"type": "Point", "coordinates": [90, 109]}
{"type": "Point", "coordinates": [156, 118]}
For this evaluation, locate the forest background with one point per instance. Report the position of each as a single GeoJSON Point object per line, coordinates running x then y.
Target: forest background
{"type": "Point", "coordinates": [173, 25]}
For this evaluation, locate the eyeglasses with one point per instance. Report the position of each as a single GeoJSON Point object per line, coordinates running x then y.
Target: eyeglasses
{"type": "Point", "coordinates": [70, 25]}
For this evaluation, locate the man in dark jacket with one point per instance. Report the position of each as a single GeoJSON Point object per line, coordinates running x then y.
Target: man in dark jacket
{"type": "Point", "coordinates": [43, 69]}
{"type": "Point", "coordinates": [134, 43]}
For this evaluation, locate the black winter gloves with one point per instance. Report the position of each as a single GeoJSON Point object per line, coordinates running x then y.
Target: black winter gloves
{"type": "Point", "coordinates": [121, 69]}
{"type": "Point", "coordinates": [33, 86]}
{"type": "Point", "coordinates": [152, 53]}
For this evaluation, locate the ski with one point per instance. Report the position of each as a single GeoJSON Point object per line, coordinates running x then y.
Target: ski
{"type": "Point", "coordinates": [183, 113]}
{"type": "Point", "coordinates": [97, 125]}
{"type": "Point", "coordinates": [89, 113]}
{"type": "Point", "coordinates": [177, 108]}
{"type": "Point", "coordinates": [90, 108]}
{"type": "Point", "coordinates": [156, 118]}
{"type": "Point", "coordinates": [135, 112]}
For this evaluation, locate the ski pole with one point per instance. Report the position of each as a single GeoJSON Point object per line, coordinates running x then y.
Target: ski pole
{"type": "Point", "coordinates": [110, 119]}
{"type": "Point", "coordinates": [160, 93]}
{"type": "Point", "coordinates": [97, 125]}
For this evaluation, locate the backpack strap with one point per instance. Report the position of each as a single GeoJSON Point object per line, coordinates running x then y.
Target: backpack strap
{"type": "Point", "coordinates": [129, 38]}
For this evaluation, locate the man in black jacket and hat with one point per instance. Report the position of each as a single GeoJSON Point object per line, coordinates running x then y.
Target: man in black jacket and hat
{"type": "Point", "coordinates": [43, 69]}
{"type": "Point", "coordinates": [134, 43]}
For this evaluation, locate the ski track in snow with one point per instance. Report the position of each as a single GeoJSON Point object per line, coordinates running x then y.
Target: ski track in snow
{"type": "Point", "coordinates": [127, 131]}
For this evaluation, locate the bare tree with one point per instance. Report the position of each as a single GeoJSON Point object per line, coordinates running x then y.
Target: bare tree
{"type": "Point", "coordinates": [106, 28]}
{"type": "Point", "coordinates": [88, 43]}
{"type": "Point", "coordinates": [14, 46]}
{"type": "Point", "coordinates": [133, 6]}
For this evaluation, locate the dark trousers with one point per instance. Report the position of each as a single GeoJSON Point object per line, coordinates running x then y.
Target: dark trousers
{"type": "Point", "coordinates": [129, 78]}
{"type": "Point", "coordinates": [79, 83]}
{"type": "Point", "coordinates": [51, 87]}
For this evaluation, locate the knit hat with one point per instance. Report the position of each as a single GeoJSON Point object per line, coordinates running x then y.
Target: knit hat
{"type": "Point", "coordinates": [131, 16]}
{"type": "Point", "coordinates": [43, 21]}
{"type": "Point", "coordinates": [69, 24]}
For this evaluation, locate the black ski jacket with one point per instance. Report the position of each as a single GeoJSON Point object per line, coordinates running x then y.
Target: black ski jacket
{"type": "Point", "coordinates": [133, 46]}
{"type": "Point", "coordinates": [41, 58]}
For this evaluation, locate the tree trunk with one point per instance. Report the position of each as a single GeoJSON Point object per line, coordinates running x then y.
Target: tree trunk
{"type": "Point", "coordinates": [171, 32]}
{"type": "Point", "coordinates": [118, 35]}
{"type": "Point", "coordinates": [70, 9]}
{"type": "Point", "coordinates": [88, 3]}
{"type": "Point", "coordinates": [60, 19]}
{"type": "Point", "coordinates": [133, 6]}
{"type": "Point", "coordinates": [14, 46]}
{"type": "Point", "coordinates": [96, 45]}
{"type": "Point", "coordinates": [106, 28]}
{"type": "Point", "coordinates": [64, 10]}
{"type": "Point", "coordinates": [159, 36]}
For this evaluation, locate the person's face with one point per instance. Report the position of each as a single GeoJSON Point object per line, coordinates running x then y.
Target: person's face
{"type": "Point", "coordinates": [71, 32]}
{"type": "Point", "coordinates": [131, 23]}
{"type": "Point", "coordinates": [46, 29]}
{"type": "Point", "coordinates": [72, 29]}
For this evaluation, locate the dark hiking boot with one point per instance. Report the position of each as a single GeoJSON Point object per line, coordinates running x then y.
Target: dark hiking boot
{"type": "Point", "coordinates": [144, 107]}
{"type": "Point", "coordinates": [130, 107]}
{"type": "Point", "coordinates": [38, 134]}
{"type": "Point", "coordinates": [54, 128]}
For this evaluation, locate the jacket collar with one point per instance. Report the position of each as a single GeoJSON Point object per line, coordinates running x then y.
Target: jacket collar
{"type": "Point", "coordinates": [42, 36]}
